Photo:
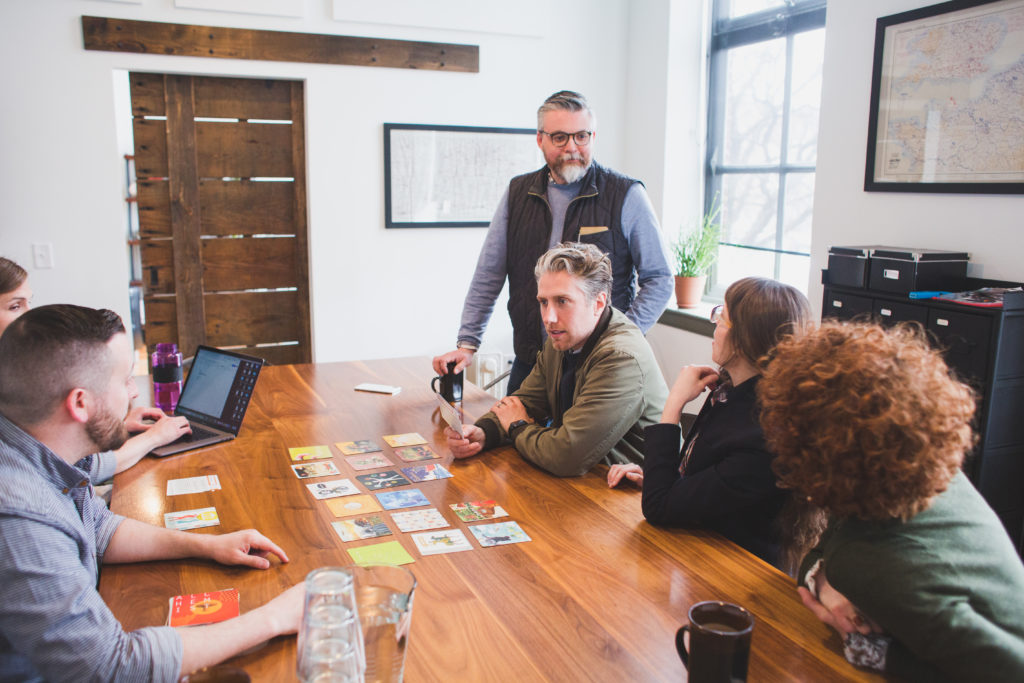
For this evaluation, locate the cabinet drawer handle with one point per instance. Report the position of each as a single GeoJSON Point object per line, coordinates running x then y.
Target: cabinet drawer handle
{"type": "Point", "coordinates": [886, 312]}
{"type": "Point", "coordinates": [890, 274]}
{"type": "Point", "coordinates": [836, 303]}
{"type": "Point", "coordinates": [942, 321]}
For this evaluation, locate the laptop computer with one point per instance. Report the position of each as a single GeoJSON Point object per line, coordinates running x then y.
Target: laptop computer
{"type": "Point", "coordinates": [214, 398]}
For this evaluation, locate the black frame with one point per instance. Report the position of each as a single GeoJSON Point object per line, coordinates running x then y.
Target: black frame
{"type": "Point", "coordinates": [389, 222]}
{"type": "Point", "coordinates": [961, 187]}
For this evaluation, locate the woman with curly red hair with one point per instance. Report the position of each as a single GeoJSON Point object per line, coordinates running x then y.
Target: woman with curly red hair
{"type": "Point", "coordinates": [914, 569]}
{"type": "Point", "coordinates": [721, 478]}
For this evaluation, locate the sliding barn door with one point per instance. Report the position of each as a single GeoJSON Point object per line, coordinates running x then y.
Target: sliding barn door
{"type": "Point", "coordinates": [220, 168]}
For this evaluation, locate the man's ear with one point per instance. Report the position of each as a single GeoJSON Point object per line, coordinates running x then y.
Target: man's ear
{"type": "Point", "coordinates": [600, 301]}
{"type": "Point", "coordinates": [78, 404]}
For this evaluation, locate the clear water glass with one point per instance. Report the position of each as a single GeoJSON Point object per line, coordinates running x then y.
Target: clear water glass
{"type": "Point", "coordinates": [330, 641]}
{"type": "Point", "coordinates": [384, 595]}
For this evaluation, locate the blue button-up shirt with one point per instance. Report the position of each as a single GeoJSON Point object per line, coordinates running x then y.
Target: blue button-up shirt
{"type": "Point", "coordinates": [53, 532]}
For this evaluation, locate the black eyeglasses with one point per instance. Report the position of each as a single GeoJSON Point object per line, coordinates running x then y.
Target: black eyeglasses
{"type": "Point", "coordinates": [560, 139]}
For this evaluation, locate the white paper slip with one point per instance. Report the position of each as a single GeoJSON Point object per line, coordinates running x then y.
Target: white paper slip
{"type": "Point", "coordinates": [445, 541]}
{"type": "Point", "coordinates": [177, 487]}
{"type": "Point", "coordinates": [191, 519]}
{"type": "Point", "coordinates": [378, 388]}
{"type": "Point", "coordinates": [450, 415]}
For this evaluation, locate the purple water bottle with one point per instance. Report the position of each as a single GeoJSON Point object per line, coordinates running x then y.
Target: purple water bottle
{"type": "Point", "coordinates": [166, 377]}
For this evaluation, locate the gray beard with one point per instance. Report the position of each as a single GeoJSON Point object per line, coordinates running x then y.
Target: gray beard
{"type": "Point", "coordinates": [570, 172]}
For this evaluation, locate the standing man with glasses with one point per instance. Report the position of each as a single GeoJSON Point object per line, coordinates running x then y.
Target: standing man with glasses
{"type": "Point", "coordinates": [571, 199]}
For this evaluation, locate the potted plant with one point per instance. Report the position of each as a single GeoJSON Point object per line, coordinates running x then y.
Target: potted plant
{"type": "Point", "coordinates": [694, 255]}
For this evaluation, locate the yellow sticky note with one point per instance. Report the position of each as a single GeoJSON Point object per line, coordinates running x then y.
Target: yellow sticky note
{"type": "Point", "coordinates": [391, 552]}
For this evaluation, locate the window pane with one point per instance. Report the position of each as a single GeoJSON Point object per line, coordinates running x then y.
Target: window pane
{"type": "Point", "coordinates": [796, 212]}
{"type": "Point", "coordinates": [740, 8]}
{"type": "Point", "coordinates": [735, 263]}
{"type": "Point", "coordinates": [750, 208]}
{"type": "Point", "coordinates": [755, 87]}
{"type": "Point", "coordinates": [795, 271]}
{"type": "Point", "coordinates": [808, 54]}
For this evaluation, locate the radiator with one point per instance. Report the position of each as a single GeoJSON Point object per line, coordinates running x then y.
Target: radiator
{"type": "Point", "coordinates": [487, 367]}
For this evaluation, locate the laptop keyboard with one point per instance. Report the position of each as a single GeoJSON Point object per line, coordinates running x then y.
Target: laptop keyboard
{"type": "Point", "coordinates": [198, 433]}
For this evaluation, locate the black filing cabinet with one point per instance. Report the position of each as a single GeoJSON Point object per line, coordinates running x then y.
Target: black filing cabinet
{"type": "Point", "coordinates": [985, 346]}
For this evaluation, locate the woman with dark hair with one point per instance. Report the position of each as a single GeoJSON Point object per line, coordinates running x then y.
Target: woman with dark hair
{"type": "Point", "coordinates": [914, 569]}
{"type": "Point", "coordinates": [721, 479]}
{"type": "Point", "coordinates": [15, 294]}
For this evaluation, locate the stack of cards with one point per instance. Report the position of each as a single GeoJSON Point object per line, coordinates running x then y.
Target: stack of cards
{"type": "Point", "coordinates": [191, 519]}
{"type": "Point", "coordinates": [203, 608]}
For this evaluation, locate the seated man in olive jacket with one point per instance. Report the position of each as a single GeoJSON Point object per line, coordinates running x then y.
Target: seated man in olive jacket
{"type": "Point", "coordinates": [595, 386]}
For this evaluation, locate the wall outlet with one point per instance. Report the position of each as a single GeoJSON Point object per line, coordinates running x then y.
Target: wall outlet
{"type": "Point", "coordinates": [42, 256]}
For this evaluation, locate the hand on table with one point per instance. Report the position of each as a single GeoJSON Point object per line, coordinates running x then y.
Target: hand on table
{"type": "Point", "coordinates": [508, 410]}
{"type": "Point", "coordinates": [468, 444]}
{"type": "Point", "coordinates": [690, 383]}
{"type": "Point", "coordinates": [630, 472]}
{"type": "Point", "coordinates": [462, 357]}
{"type": "Point", "coordinates": [249, 548]}
{"type": "Point", "coordinates": [834, 609]}
{"type": "Point", "coordinates": [134, 421]}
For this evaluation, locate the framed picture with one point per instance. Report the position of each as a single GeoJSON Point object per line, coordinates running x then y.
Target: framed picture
{"type": "Point", "coordinates": [451, 176]}
{"type": "Point", "coordinates": [946, 93]}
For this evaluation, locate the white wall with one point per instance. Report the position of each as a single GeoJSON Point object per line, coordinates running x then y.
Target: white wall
{"type": "Point", "coordinates": [61, 175]}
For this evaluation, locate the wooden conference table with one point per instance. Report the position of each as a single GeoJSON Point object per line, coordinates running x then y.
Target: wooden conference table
{"type": "Point", "coordinates": [596, 595]}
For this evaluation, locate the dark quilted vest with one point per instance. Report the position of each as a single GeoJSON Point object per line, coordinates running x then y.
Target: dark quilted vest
{"type": "Point", "coordinates": [599, 204]}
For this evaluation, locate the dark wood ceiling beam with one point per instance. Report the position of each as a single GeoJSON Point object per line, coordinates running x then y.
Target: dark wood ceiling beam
{"type": "Point", "coordinates": [150, 37]}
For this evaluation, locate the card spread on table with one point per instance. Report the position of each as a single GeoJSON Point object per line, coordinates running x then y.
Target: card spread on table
{"type": "Point", "coordinates": [418, 473]}
{"type": "Point", "coordinates": [419, 520]}
{"type": "Point", "coordinates": [191, 519]}
{"type": "Point", "coordinates": [177, 487]}
{"type": "Point", "coordinates": [446, 541]}
{"type": "Point", "coordinates": [315, 469]}
{"type": "Point", "coordinates": [390, 552]}
{"type": "Point", "coordinates": [368, 462]}
{"type": "Point", "coordinates": [203, 608]}
{"type": "Point", "coordinates": [408, 439]}
{"type": "Point", "coordinates": [499, 533]}
{"type": "Point", "coordinates": [310, 453]}
{"type": "Point", "coordinates": [357, 447]}
{"type": "Point", "coordinates": [409, 498]}
{"type": "Point", "coordinates": [382, 480]}
{"type": "Point", "coordinates": [356, 528]}
{"type": "Point", "coordinates": [353, 505]}
{"type": "Point", "coordinates": [414, 453]}
{"type": "Point", "coordinates": [332, 489]}
{"type": "Point", "coordinates": [478, 509]}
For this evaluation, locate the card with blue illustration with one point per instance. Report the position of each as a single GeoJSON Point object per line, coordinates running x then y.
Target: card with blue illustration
{"type": "Point", "coordinates": [396, 500]}
{"type": "Point", "coordinates": [418, 473]}
{"type": "Point", "coordinates": [500, 533]}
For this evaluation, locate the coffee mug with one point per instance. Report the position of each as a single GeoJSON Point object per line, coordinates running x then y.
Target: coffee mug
{"type": "Point", "coordinates": [451, 384]}
{"type": "Point", "coordinates": [719, 642]}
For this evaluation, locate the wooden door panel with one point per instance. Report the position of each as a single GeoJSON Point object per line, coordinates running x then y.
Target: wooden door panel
{"type": "Point", "coordinates": [243, 98]}
{"type": "Point", "coordinates": [251, 318]}
{"type": "Point", "coordinates": [227, 207]}
{"type": "Point", "coordinates": [228, 264]}
{"type": "Point", "coordinates": [243, 150]}
{"type": "Point", "coordinates": [150, 148]}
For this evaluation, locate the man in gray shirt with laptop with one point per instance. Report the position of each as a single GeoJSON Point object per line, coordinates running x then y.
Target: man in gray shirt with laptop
{"type": "Point", "coordinates": [571, 199]}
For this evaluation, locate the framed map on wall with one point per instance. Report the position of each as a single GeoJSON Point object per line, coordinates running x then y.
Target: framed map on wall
{"type": "Point", "coordinates": [947, 100]}
{"type": "Point", "coordinates": [451, 176]}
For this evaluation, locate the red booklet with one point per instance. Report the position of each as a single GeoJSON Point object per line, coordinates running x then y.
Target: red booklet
{"type": "Point", "coordinates": [203, 608]}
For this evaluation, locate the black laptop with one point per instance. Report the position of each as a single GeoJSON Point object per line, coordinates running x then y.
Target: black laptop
{"type": "Point", "coordinates": [215, 398]}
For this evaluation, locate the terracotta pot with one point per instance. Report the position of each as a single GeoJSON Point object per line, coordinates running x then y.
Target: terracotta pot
{"type": "Point", "coordinates": [689, 290]}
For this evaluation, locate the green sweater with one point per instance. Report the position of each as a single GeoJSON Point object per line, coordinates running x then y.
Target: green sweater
{"type": "Point", "coordinates": [946, 585]}
{"type": "Point", "coordinates": [619, 390]}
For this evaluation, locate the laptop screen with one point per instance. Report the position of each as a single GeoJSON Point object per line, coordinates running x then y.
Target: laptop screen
{"type": "Point", "coordinates": [218, 388]}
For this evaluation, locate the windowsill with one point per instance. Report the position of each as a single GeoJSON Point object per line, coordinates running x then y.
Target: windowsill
{"type": "Point", "coordinates": [695, 320]}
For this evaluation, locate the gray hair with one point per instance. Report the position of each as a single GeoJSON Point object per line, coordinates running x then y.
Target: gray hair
{"type": "Point", "coordinates": [584, 261]}
{"type": "Point", "coordinates": [564, 100]}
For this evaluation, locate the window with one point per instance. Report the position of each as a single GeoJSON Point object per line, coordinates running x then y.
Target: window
{"type": "Point", "coordinates": [764, 94]}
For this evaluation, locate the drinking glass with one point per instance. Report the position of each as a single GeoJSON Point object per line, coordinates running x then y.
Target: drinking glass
{"type": "Point", "coordinates": [330, 642]}
{"type": "Point", "coordinates": [384, 595]}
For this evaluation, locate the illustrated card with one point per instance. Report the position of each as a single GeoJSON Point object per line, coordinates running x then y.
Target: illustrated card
{"type": "Point", "coordinates": [414, 453]}
{"type": "Point", "coordinates": [177, 487]}
{"type": "Point", "coordinates": [191, 519]}
{"type": "Point", "coordinates": [445, 541]}
{"type": "Point", "coordinates": [390, 552]}
{"type": "Point", "coordinates": [500, 533]}
{"type": "Point", "coordinates": [353, 505]}
{"type": "Point", "coordinates": [370, 526]}
{"type": "Point", "coordinates": [395, 500]}
{"type": "Point", "coordinates": [419, 520]}
{"type": "Point", "coordinates": [303, 453]}
{"type": "Point", "coordinates": [477, 510]}
{"type": "Point", "coordinates": [203, 608]}
{"type": "Point", "coordinates": [315, 469]}
{"type": "Point", "coordinates": [357, 447]}
{"type": "Point", "coordinates": [332, 489]}
{"type": "Point", "coordinates": [408, 439]}
{"type": "Point", "coordinates": [420, 473]}
{"type": "Point", "coordinates": [382, 480]}
{"type": "Point", "coordinates": [368, 462]}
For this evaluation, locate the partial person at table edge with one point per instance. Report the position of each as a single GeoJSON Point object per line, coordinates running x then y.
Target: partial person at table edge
{"type": "Point", "coordinates": [65, 385]}
{"type": "Point", "coordinates": [914, 570]}
{"type": "Point", "coordinates": [721, 477]}
{"type": "Point", "coordinates": [596, 383]}
{"type": "Point", "coordinates": [571, 198]}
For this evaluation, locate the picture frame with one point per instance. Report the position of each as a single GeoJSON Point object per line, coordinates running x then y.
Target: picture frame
{"type": "Point", "coordinates": [942, 117]}
{"type": "Point", "coordinates": [451, 176]}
